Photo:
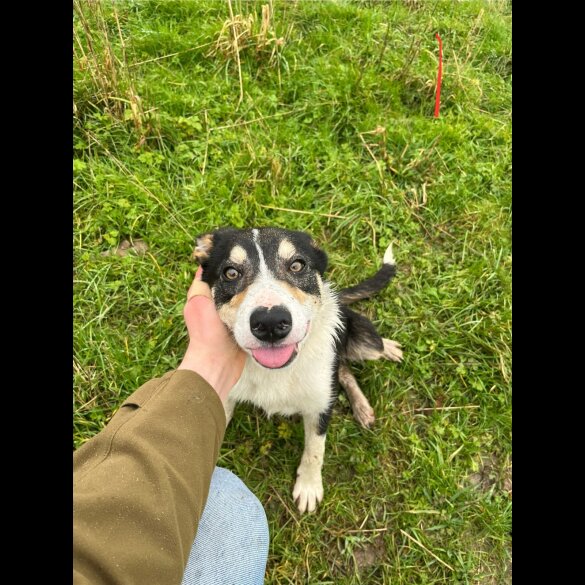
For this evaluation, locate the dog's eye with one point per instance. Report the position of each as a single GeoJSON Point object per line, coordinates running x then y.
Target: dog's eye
{"type": "Point", "coordinates": [231, 273]}
{"type": "Point", "coordinates": [297, 266]}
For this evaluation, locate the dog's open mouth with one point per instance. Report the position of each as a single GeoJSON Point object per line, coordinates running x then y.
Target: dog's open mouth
{"type": "Point", "coordinates": [275, 356]}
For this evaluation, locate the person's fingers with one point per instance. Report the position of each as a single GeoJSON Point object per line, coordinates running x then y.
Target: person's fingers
{"type": "Point", "coordinates": [199, 310]}
{"type": "Point", "coordinates": [198, 287]}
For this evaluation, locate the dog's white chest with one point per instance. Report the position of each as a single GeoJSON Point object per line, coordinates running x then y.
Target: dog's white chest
{"type": "Point", "coordinates": [293, 390]}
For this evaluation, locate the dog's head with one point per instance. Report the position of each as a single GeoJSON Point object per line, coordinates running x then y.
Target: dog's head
{"type": "Point", "coordinates": [267, 287]}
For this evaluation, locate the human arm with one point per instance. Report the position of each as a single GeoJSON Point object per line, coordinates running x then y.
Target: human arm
{"type": "Point", "coordinates": [141, 484]}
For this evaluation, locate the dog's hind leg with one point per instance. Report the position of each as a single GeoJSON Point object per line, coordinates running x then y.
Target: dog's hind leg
{"type": "Point", "coordinates": [365, 343]}
{"type": "Point", "coordinates": [362, 410]}
{"type": "Point", "coordinates": [392, 350]}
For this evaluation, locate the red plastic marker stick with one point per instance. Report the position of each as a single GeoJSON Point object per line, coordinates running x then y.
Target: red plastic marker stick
{"type": "Point", "coordinates": [439, 77]}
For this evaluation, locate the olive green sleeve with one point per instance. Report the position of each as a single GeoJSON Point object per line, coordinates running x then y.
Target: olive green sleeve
{"type": "Point", "coordinates": [140, 485]}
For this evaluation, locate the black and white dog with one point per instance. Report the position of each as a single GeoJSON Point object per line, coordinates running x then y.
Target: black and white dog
{"type": "Point", "coordinates": [299, 334]}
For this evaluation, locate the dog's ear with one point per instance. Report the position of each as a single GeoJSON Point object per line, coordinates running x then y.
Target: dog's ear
{"type": "Point", "coordinates": [320, 256]}
{"type": "Point", "coordinates": [203, 248]}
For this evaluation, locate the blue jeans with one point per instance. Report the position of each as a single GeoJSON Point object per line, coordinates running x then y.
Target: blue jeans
{"type": "Point", "coordinates": [231, 546]}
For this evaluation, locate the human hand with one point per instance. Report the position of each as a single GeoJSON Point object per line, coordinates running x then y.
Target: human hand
{"type": "Point", "coordinates": [212, 353]}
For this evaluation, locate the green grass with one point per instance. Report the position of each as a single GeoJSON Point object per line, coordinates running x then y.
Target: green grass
{"type": "Point", "coordinates": [164, 150]}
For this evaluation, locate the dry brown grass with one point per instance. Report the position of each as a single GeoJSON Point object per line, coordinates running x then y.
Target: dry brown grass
{"type": "Point", "coordinates": [114, 88]}
{"type": "Point", "coordinates": [248, 34]}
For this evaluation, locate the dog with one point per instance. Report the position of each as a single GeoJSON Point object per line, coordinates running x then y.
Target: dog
{"type": "Point", "coordinates": [299, 334]}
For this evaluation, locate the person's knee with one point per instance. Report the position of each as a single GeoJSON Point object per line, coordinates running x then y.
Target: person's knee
{"type": "Point", "coordinates": [233, 506]}
{"type": "Point", "coordinates": [232, 539]}
{"type": "Point", "coordinates": [231, 497]}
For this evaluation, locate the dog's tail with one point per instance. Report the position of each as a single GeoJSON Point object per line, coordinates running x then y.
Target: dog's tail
{"type": "Point", "coordinates": [372, 285]}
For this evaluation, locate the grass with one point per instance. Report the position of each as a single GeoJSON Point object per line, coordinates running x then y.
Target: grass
{"type": "Point", "coordinates": [190, 115]}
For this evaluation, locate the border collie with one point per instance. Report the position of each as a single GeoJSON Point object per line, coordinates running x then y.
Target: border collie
{"type": "Point", "coordinates": [299, 334]}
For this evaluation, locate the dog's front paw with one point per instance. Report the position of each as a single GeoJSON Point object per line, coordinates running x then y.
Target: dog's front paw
{"type": "Point", "coordinates": [308, 490]}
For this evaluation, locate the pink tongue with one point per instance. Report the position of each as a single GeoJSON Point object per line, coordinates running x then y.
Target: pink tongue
{"type": "Point", "coordinates": [273, 357]}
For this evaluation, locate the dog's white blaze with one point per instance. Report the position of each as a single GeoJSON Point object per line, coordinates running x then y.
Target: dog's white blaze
{"type": "Point", "coordinates": [286, 250]}
{"type": "Point", "coordinates": [263, 267]}
{"type": "Point", "coordinates": [238, 255]}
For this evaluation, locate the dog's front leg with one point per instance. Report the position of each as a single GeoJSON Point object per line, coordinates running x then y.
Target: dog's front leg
{"type": "Point", "coordinates": [308, 490]}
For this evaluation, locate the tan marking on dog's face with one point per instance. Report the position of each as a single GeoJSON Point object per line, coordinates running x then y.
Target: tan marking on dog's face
{"type": "Point", "coordinates": [229, 311]}
{"type": "Point", "coordinates": [286, 250]}
{"type": "Point", "coordinates": [203, 249]}
{"type": "Point", "coordinates": [238, 255]}
{"type": "Point", "coordinates": [301, 296]}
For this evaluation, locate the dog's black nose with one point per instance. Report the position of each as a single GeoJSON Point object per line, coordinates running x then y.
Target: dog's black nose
{"type": "Point", "coordinates": [270, 324]}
